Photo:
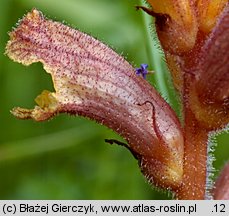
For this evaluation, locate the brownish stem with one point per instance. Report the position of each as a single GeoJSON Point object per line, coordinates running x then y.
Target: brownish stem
{"type": "Point", "coordinates": [195, 160]}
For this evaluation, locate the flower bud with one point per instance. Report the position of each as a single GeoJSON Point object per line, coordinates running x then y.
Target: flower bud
{"type": "Point", "coordinates": [208, 12]}
{"type": "Point", "coordinates": [176, 24]}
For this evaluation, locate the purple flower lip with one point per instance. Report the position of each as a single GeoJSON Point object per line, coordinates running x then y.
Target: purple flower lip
{"type": "Point", "coordinates": [142, 70]}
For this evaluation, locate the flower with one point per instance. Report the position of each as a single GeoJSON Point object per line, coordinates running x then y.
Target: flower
{"type": "Point", "coordinates": [142, 70]}
{"type": "Point", "coordinates": [91, 80]}
{"type": "Point", "coordinates": [194, 36]}
{"type": "Point", "coordinates": [181, 23]}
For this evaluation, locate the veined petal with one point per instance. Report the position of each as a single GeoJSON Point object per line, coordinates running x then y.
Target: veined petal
{"type": "Point", "coordinates": [92, 80]}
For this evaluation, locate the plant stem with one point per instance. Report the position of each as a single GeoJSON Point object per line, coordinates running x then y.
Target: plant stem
{"type": "Point", "coordinates": [195, 159]}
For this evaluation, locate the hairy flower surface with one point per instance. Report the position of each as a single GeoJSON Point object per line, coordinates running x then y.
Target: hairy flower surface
{"type": "Point", "coordinates": [91, 80]}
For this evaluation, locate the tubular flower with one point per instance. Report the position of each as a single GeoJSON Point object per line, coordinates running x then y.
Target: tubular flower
{"type": "Point", "coordinates": [176, 24]}
{"type": "Point", "coordinates": [179, 21]}
{"type": "Point", "coordinates": [91, 80]}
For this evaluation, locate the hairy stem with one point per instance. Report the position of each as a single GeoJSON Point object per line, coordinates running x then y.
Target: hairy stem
{"type": "Point", "coordinates": [195, 159]}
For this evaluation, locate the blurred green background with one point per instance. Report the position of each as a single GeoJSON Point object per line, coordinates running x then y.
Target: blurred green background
{"type": "Point", "coordinates": [66, 157]}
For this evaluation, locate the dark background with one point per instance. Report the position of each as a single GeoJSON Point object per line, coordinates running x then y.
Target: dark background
{"type": "Point", "coordinates": [66, 157]}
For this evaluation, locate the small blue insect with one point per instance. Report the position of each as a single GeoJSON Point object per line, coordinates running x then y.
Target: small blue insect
{"type": "Point", "coordinates": [142, 70]}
